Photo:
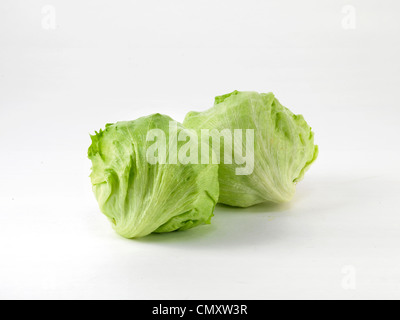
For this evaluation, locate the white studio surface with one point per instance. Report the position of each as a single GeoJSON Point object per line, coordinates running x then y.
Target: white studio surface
{"type": "Point", "coordinates": [69, 67]}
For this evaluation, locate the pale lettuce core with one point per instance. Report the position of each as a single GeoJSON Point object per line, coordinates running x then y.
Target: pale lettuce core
{"type": "Point", "coordinates": [283, 143]}
{"type": "Point", "coordinates": [140, 198]}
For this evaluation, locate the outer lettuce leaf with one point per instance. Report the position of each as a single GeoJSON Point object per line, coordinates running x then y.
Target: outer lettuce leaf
{"type": "Point", "coordinates": [141, 198]}
{"type": "Point", "coordinates": [284, 147]}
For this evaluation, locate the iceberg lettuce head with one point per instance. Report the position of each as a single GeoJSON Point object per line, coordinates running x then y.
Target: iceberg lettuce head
{"type": "Point", "coordinates": [283, 147]}
{"type": "Point", "coordinates": [139, 196]}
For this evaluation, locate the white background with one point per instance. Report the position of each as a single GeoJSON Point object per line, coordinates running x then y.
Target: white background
{"type": "Point", "coordinates": [118, 60]}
